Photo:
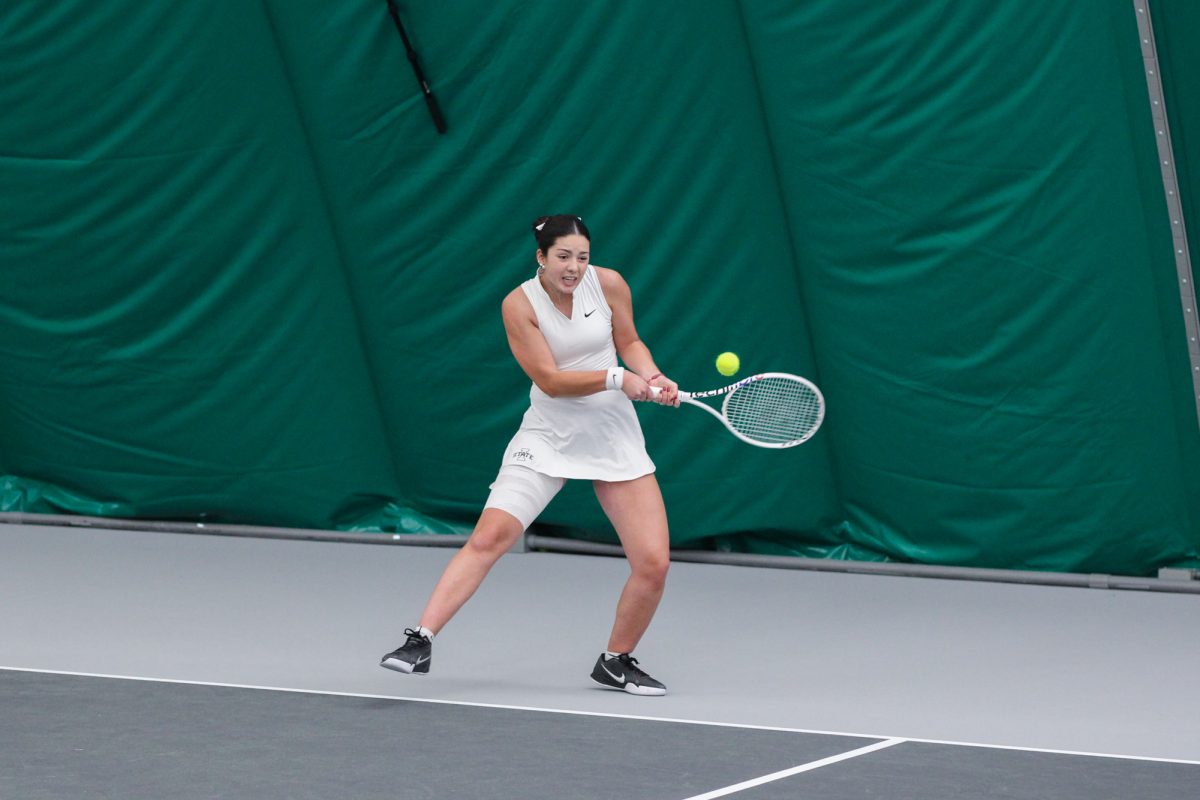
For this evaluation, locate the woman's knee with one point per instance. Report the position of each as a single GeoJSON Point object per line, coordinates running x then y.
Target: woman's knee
{"type": "Point", "coordinates": [652, 567]}
{"type": "Point", "coordinates": [494, 537]}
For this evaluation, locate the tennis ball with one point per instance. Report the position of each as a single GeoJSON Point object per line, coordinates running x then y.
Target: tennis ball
{"type": "Point", "coordinates": [728, 363]}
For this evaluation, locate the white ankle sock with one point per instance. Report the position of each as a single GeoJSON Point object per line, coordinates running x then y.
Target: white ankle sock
{"type": "Point", "coordinates": [611, 654]}
{"type": "Point", "coordinates": [428, 634]}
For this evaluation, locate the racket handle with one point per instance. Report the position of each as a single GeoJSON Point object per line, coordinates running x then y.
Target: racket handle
{"type": "Point", "coordinates": [655, 391]}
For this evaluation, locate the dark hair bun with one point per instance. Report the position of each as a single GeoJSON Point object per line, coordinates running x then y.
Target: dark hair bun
{"type": "Point", "coordinates": [547, 230]}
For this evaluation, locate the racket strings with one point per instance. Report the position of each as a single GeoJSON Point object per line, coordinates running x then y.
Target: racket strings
{"type": "Point", "coordinates": [774, 410]}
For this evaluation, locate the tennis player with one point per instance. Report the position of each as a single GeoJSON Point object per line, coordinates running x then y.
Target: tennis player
{"type": "Point", "coordinates": [566, 327]}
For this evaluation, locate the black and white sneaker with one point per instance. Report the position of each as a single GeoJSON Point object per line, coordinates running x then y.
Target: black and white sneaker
{"type": "Point", "coordinates": [622, 672]}
{"type": "Point", "coordinates": [411, 657]}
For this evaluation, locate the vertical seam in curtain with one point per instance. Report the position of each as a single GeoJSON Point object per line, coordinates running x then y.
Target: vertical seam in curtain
{"type": "Point", "coordinates": [336, 233]}
{"type": "Point", "coordinates": [775, 170]}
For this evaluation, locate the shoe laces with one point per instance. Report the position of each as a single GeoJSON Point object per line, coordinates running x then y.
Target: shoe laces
{"type": "Point", "coordinates": [413, 634]}
{"type": "Point", "coordinates": [630, 663]}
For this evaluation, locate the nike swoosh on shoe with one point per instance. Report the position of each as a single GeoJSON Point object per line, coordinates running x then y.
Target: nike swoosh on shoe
{"type": "Point", "coordinates": [619, 679]}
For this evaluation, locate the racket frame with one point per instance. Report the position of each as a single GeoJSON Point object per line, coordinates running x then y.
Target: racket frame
{"type": "Point", "coordinates": [692, 398]}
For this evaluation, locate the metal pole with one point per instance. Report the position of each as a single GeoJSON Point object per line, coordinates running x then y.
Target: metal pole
{"type": "Point", "coordinates": [1166, 158]}
{"type": "Point", "coordinates": [1094, 581]}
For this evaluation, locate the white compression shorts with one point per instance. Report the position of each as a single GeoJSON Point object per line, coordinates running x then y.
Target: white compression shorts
{"type": "Point", "coordinates": [523, 492]}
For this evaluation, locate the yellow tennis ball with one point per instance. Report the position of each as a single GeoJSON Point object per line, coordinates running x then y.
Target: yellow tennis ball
{"type": "Point", "coordinates": [728, 363]}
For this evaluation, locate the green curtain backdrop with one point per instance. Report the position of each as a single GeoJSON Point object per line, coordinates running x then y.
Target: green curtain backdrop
{"type": "Point", "coordinates": [245, 280]}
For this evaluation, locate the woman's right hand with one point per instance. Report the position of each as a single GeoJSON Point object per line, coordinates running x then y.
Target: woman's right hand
{"type": "Point", "coordinates": [669, 390]}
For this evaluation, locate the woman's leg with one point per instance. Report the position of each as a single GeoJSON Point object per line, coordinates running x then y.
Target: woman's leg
{"type": "Point", "coordinates": [636, 510]}
{"type": "Point", "coordinates": [518, 495]}
{"type": "Point", "coordinates": [494, 535]}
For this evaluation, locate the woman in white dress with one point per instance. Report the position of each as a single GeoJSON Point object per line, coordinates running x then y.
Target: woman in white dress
{"type": "Point", "coordinates": [566, 327]}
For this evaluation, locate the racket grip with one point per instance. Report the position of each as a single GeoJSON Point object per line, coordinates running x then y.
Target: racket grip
{"type": "Point", "coordinates": [654, 393]}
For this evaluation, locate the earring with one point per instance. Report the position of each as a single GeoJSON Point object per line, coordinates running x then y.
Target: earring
{"type": "Point", "coordinates": [541, 268]}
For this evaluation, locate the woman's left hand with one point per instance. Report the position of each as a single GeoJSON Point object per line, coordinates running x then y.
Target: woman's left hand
{"type": "Point", "coordinates": [669, 396]}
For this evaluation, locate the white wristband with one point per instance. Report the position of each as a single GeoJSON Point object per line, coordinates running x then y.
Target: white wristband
{"type": "Point", "coordinates": [615, 378]}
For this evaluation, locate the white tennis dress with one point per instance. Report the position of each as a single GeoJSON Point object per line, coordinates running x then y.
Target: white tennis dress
{"type": "Point", "coordinates": [595, 437]}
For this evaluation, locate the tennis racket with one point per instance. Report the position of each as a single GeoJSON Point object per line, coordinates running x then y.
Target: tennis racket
{"type": "Point", "coordinates": [773, 409]}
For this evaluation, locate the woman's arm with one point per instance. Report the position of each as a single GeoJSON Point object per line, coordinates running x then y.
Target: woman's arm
{"type": "Point", "coordinates": [630, 347]}
{"type": "Point", "coordinates": [533, 354]}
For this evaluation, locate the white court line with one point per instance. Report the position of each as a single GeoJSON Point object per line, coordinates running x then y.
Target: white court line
{"type": "Point", "coordinates": [502, 707]}
{"type": "Point", "coordinates": [787, 773]}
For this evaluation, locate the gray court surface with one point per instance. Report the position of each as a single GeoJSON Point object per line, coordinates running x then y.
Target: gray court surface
{"type": "Point", "coordinates": [783, 683]}
{"type": "Point", "coordinates": [169, 740]}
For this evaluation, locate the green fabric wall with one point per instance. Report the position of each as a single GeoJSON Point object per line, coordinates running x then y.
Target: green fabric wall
{"type": "Point", "coordinates": [246, 281]}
